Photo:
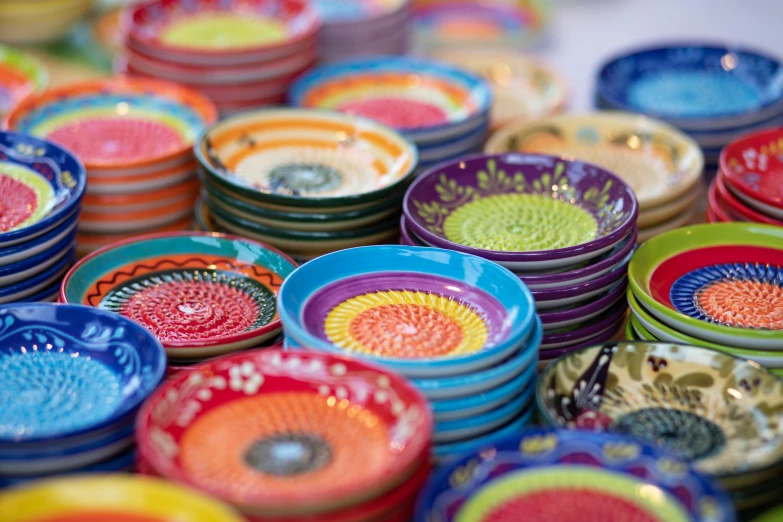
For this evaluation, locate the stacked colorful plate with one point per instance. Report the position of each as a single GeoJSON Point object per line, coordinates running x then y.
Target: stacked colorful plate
{"type": "Point", "coordinates": [662, 165]}
{"type": "Point", "coordinates": [718, 286]}
{"type": "Point", "coordinates": [41, 192]}
{"type": "Point", "coordinates": [73, 380]}
{"type": "Point", "coordinates": [443, 110]}
{"type": "Point", "coordinates": [111, 497]}
{"type": "Point", "coordinates": [721, 414]}
{"type": "Point", "coordinates": [462, 328]}
{"type": "Point", "coordinates": [202, 295]}
{"type": "Point", "coordinates": [565, 476]}
{"type": "Point", "coordinates": [749, 184]}
{"type": "Point", "coordinates": [136, 139]}
{"type": "Point", "coordinates": [567, 229]}
{"type": "Point", "coordinates": [297, 436]}
{"type": "Point", "coordinates": [20, 76]}
{"type": "Point", "coordinates": [522, 88]}
{"type": "Point", "coordinates": [307, 181]}
{"type": "Point", "coordinates": [354, 28]}
{"type": "Point", "coordinates": [26, 22]}
{"type": "Point", "coordinates": [241, 53]}
{"type": "Point", "coordinates": [713, 93]}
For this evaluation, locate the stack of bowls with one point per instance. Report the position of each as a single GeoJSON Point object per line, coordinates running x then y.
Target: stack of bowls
{"type": "Point", "coordinates": [462, 328]}
{"type": "Point", "coordinates": [292, 436]}
{"type": "Point", "coordinates": [662, 165]}
{"type": "Point", "coordinates": [241, 53]}
{"type": "Point", "coordinates": [20, 76]}
{"type": "Point", "coordinates": [713, 93]}
{"type": "Point", "coordinates": [307, 181]}
{"type": "Point", "coordinates": [567, 229]}
{"type": "Point", "coordinates": [136, 139]}
{"type": "Point", "coordinates": [41, 192]}
{"type": "Point", "coordinates": [717, 286]}
{"type": "Point", "coordinates": [73, 380]}
{"type": "Point", "coordinates": [749, 184]}
{"type": "Point", "coordinates": [443, 110]}
{"type": "Point", "coordinates": [354, 28]}
{"type": "Point", "coordinates": [201, 295]}
{"type": "Point", "coordinates": [721, 414]}
{"type": "Point", "coordinates": [26, 22]}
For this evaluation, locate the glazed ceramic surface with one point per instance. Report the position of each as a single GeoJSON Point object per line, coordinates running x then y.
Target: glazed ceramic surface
{"type": "Point", "coordinates": [118, 122]}
{"type": "Point", "coordinates": [659, 162]}
{"type": "Point", "coordinates": [608, 476]}
{"type": "Point", "coordinates": [20, 76]}
{"type": "Point", "coordinates": [76, 369]}
{"type": "Point", "coordinates": [196, 292]}
{"type": "Point", "coordinates": [714, 410]}
{"type": "Point", "coordinates": [753, 166]}
{"type": "Point", "coordinates": [357, 10]}
{"type": "Point", "coordinates": [290, 156]}
{"type": "Point", "coordinates": [718, 282]}
{"type": "Point", "coordinates": [422, 311]}
{"type": "Point", "coordinates": [722, 198]}
{"type": "Point", "coordinates": [521, 208]}
{"type": "Point", "coordinates": [287, 429]}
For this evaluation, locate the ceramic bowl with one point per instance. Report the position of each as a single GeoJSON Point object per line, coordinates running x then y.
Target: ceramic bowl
{"type": "Point", "coordinates": [122, 463]}
{"type": "Point", "coordinates": [717, 282]}
{"type": "Point", "coordinates": [443, 453]}
{"type": "Point", "coordinates": [20, 271]}
{"type": "Point", "coordinates": [609, 320]}
{"type": "Point", "coordinates": [686, 218]}
{"type": "Point", "coordinates": [117, 122]}
{"type": "Point", "coordinates": [696, 87]}
{"type": "Point", "coordinates": [22, 290]}
{"type": "Point", "coordinates": [573, 315]}
{"type": "Point", "coordinates": [711, 409]}
{"type": "Point", "coordinates": [124, 362]}
{"type": "Point", "coordinates": [536, 470]}
{"type": "Point", "coordinates": [352, 17]}
{"type": "Point", "coordinates": [725, 199]}
{"type": "Point", "coordinates": [20, 76]}
{"type": "Point", "coordinates": [672, 210]}
{"type": "Point", "coordinates": [659, 162]}
{"type": "Point", "coordinates": [200, 294]}
{"type": "Point", "coordinates": [41, 186]}
{"type": "Point", "coordinates": [491, 309]}
{"type": "Point", "coordinates": [328, 399]}
{"type": "Point", "coordinates": [521, 210]}
{"type": "Point", "coordinates": [390, 89]}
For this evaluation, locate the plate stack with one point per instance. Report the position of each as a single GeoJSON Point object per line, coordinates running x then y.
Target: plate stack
{"type": "Point", "coordinates": [716, 286]}
{"type": "Point", "coordinates": [80, 417]}
{"type": "Point", "coordinates": [202, 295]}
{"type": "Point", "coordinates": [20, 76]}
{"type": "Point", "coordinates": [443, 110]}
{"type": "Point", "coordinates": [567, 229]}
{"type": "Point", "coordinates": [749, 184]}
{"type": "Point", "coordinates": [662, 165]}
{"type": "Point", "coordinates": [463, 329]}
{"type": "Point", "coordinates": [714, 94]}
{"type": "Point", "coordinates": [41, 192]}
{"type": "Point", "coordinates": [136, 139]}
{"type": "Point", "coordinates": [285, 432]}
{"type": "Point", "coordinates": [354, 28]}
{"type": "Point", "coordinates": [241, 53]}
{"type": "Point", "coordinates": [25, 22]}
{"type": "Point", "coordinates": [732, 409]}
{"type": "Point", "coordinates": [307, 181]}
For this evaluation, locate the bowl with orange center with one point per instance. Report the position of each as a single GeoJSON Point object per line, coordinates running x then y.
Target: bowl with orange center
{"type": "Point", "coordinates": [288, 432]}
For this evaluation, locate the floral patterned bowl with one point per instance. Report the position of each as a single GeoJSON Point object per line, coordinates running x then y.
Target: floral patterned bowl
{"type": "Point", "coordinates": [524, 211]}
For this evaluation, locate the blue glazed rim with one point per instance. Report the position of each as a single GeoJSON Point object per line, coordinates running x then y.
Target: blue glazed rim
{"type": "Point", "coordinates": [122, 432]}
{"type": "Point", "coordinates": [454, 450]}
{"type": "Point", "coordinates": [620, 102]}
{"type": "Point", "coordinates": [147, 348]}
{"type": "Point", "coordinates": [327, 269]}
{"type": "Point", "coordinates": [58, 248]}
{"type": "Point", "coordinates": [59, 267]}
{"type": "Point", "coordinates": [480, 90]}
{"type": "Point", "coordinates": [579, 441]}
{"type": "Point", "coordinates": [50, 154]}
{"type": "Point", "coordinates": [123, 462]}
{"type": "Point", "coordinates": [29, 244]}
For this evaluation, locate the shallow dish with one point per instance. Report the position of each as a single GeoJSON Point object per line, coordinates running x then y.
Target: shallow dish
{"type": "Point", "coordinates": [574, 314]}
{"type": "Point", "coordinates": [524, 211]}
{"type": "Point", "coordinates": [711, 409]}
{"type": "Point", "coordinates": [579, 333]}
{"type": "Point", "coordinates": [33, 285]}
{"type": "Point", "coordinates": [29, 267]}
{"type": "Point", "coordinates": [550, 298]}
{"type": "Point", "coordinates": [718, 282]}
{"type": "Point", "coordinates": [442, 452]}
{"type": "Point", "coordinates": [753, 167]}
{"type": "Point", "coordinates": [20, 76]}
{"type": "Point", "coordinates": [724, 199]}
{"type": "Point", "coordinates": [123, 463]}
{"type": "Point", "coordinates": [286, 401]}
{"type": "Point", "coordinates": [440, 312]}
{"type": "Point", "coordinates": [200, 294]}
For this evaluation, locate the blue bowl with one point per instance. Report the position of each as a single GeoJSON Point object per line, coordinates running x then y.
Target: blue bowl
{"type": "Point", "coordinates": [43, 242]}
{"type": "Point", "coordinates": [38, 263]}
{"type": "Point", "coordinates": [39, 282]}
{"type": "Point", "coordinates": [124, 462]}
{"type": "Point", "coordinates": [49, 165]}
{"type": "Point", "coordinates": [449, 451]}
{"type": "Point", "coordinates": [71, 369]}
{"type": "Point", "coordinates": [399, 266]}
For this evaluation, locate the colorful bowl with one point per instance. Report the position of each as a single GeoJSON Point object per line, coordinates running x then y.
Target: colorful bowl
{"type": "Point", "coordinates": [717, 282]}
{"type": "Point", "coordinates": [106, 366]}
{"type": "Point", "coordinates": [725, 199]}
{"type": "Point", "coordinates": [524, 211]}
{"type": "Point", "coordinates": [421, 311]}
{"type": "Point", "coordinates": [282, 416]}
{"type": "Point", "coordinates": [573, 315]}
{"type": "Point", "coordinates": [608, 476]}
{"type": "Point", "coordinates": [20, 76]}
{"type": "Point", "coordinates": [200, 294]}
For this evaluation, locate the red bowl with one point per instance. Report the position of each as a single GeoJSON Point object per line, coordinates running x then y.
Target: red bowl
{"type": "Point", "coordinates": [737, 207]}
{"type": "Point", "coordinates": [753, 165]}
{"type": "Point", "coordinates": [716, 206]}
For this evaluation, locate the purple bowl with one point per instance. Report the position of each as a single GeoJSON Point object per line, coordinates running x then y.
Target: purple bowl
{"type": "Point", "coordinates": [562, 318]}
{"type": "Point", "coordinates": [566, 337]}
{"type": "Point", "coordinates": [554, 353]}
{"type": "Point", "coordinates": [439, 193]}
